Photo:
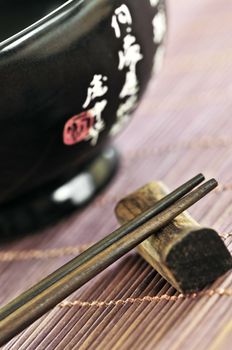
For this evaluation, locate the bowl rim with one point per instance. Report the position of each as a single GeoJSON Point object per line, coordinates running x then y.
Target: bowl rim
{"type": "Point", "coordinates": [43, 23]}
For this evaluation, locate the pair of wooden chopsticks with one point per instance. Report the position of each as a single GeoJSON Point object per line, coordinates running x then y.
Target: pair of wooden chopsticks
{"type": "Point", "coordinates": [29, 306]}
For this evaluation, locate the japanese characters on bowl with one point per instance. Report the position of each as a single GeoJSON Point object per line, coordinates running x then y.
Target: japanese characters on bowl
{"type": "Point", "coordinates": [128, 57]}
{"type": "Point", "coordinates": [88, 125]}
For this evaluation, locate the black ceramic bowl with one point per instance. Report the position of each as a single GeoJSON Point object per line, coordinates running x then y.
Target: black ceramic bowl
{"type": "Point", "coordinates": [71, 74]}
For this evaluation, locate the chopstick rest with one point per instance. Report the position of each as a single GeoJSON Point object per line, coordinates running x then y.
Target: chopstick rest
{"type": "Point", "coordinates": [187, 255]}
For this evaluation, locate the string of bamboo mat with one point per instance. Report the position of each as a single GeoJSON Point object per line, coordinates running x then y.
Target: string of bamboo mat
{"type": "Point", "coordinates": [222, 292]}
{"type": "Point", "coordinates": [51, 253]}
{"type": "Point", "coordinates": [205, 142]}
{"type": "Point", "coordinates": [35, 302]}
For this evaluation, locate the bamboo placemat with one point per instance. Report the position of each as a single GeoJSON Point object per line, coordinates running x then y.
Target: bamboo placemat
{"type": "Point", "coordinates": [182, 127]}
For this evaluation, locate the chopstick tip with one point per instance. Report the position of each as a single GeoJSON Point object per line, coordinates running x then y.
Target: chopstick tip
{"type": "Point", "coordinates": [213, 183]}
{"type": "Point", "coordinates": [207, 187]}
{"type": "Point", "coordinates": [200, 176]}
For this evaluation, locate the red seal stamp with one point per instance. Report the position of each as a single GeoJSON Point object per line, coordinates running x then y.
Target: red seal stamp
{"type": "Point", "coordinates": [77, 128]}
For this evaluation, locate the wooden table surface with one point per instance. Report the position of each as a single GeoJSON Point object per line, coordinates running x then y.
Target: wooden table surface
{"type": "Point", "coordinates": [182, 127]}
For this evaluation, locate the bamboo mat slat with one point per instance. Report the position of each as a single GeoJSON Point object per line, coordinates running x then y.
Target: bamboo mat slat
{"type": "Point", "coordinates": [182, 127]}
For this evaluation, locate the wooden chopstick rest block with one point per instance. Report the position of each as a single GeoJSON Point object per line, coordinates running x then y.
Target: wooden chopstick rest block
{"type": "Point", "coordinates": [187, 255]}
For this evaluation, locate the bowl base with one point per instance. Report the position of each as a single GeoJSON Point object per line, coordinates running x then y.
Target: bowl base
{"type": "Point", "coordinates": [48, 205]}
